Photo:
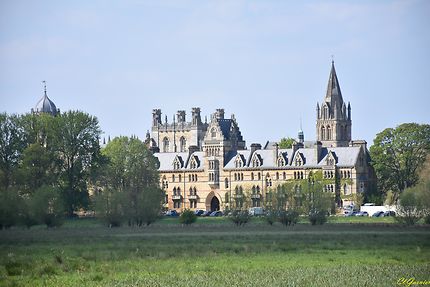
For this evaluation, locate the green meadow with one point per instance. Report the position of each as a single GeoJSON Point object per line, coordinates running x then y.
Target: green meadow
{"type": "Point", "coordinates": [214, 252]}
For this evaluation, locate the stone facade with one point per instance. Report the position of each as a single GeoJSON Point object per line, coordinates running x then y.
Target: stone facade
{"type": "Point", "coordinates": [208, 166]}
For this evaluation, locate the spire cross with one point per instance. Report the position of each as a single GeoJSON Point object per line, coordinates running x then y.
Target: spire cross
{"type": "Point", "coordinates": [332, 59]}
{"type": "Point", "coordinates": [44, 85]}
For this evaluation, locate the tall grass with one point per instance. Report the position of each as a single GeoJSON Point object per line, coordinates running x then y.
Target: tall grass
{"type": "Point", "coordinates": [214, 253]}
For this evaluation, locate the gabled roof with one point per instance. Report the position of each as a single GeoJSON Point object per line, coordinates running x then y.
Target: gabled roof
{"type": "Point", "coordinates": [167, 159]}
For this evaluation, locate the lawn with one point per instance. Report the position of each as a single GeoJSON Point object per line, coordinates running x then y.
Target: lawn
{"type": "Point", "coordinates": [213, 252]}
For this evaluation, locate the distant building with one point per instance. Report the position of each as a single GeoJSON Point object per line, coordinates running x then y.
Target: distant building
{"type": "Point", "coordinates": [207, 165]}
{"type": "Point", "coordinates": [45, 105]}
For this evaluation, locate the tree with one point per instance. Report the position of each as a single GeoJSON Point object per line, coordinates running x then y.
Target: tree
{"type": "Point", "coordinates": [37, 168]}
{"type": "Point", "coordinates": [397, 155]}
{"type": "Point", "coordinates": [77, 147]}
{"type": "Point", "coordinates": [12, 143]}
{"type": "Point", "coordinates": [46, 206]}
{"type": "Point", "coordinates": [133, 171]}
{"type": "Point", "coordinates": [286, 142]}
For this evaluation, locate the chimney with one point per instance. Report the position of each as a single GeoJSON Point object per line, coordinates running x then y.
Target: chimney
{"type": "Point", "coordinates": [192, 149]}
{"type": "Point", "coordinates": [318, 149]}
{"type": "Point", "coordinates": [254, 147]}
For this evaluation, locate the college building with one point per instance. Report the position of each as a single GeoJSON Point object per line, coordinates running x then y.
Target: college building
{"type": "Point", "coordinates": [207, 165]}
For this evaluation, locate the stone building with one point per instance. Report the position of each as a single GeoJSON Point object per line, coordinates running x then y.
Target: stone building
{"type": "Point", "coordinates": [208, 166]}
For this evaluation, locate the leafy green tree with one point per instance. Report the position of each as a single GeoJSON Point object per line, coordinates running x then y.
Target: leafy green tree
{"type": "Point", "coordinates": [110, 206]}
{"type": "Point", "coordinates": [286, 142]}
{"type": "Point", "coordinates": [133, 171]}
{"type": "Point", "coordinates": [12, 143]}
{"type": "Point", "coordinates": [411, 207]}
{"type": "Point", "coordinates": [77, 148]}
{"type": "Point", "coordinates": [37, 168]}
{"type": "Point", "coordinates": [397, 155]}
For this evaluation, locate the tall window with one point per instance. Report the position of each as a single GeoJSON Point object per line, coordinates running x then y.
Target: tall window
{"type": "Point", "coordinates": [213, 133]}
{"type": "Point", "coordinates": [323, 133]}
{"type": "Point", "coordinates": [328, 133]}
{"type": "Point", "coordinates": [165, 144]}
{"type": "Point", "coordinates": [183, 144]}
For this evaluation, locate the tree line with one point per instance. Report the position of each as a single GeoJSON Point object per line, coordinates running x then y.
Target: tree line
{"type": "Point", "coordinates": [49, 164]}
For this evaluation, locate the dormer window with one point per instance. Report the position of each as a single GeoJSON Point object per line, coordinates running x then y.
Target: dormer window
{"type": "Point", "coordinates": [299, 161]}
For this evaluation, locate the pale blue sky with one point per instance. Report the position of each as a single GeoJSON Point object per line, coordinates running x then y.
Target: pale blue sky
{"type": "Point", "coordinates": [267, 62]}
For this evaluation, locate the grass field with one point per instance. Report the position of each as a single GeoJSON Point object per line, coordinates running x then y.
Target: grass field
{"type": "Point", "coordinates": [213, 252]}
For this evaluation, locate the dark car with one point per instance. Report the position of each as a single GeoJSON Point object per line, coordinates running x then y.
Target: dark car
{"type": "Point", "coordinates": [216, 214]}
{"type": "Point", "coordinates": [389, 213]}
{"type": "Point", "coordinates": [199, 212]}
{"type": "Point", "coordinates": [206, 213]}
{"type": "Point", "coordinates": [378, 214]}
{"type": "Point", "coordinates": [172, 213]}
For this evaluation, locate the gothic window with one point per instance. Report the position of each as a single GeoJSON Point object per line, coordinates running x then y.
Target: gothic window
{"type": "Point", "coordinates": [173, 178]}
{"type": "Point", "coordinates": [213, 133]}
{"type": "Point", "coordinates": [235, 176]}
{"type": "Point", "coordinates": [226, 198]}
{"type": "Point", "coordinates": [174, 191]}
{"type": "Point", "coordinates": [326, 114]}
{"type": "Point", "coordinates": [196, 177]}
{"type": "Point", "coordinates": [165, 144]}
{"type": "Point", "coordinates": [253, 189]}
{"type": "Point", "coordinates": [284, 176]}
{"type": "Point", "coordinates": [277, 175]}
{"type": "Point", "coordinates": [183, 144]}
{"type": "Point", "coordinates": [323, 133]}
{"type": "Point", "coordinates": [328, 133]}
{"type": "Point", "coordinates": [179, 178]}
{"type": "Point", "coordinates": [349, 174]}
{"type": "Point", "coordinates": [189, 177]}
{"type": "Point", "coordinates": [226, 182]}
{"type": "Point", "coordinates": [259, 176]}
{"type": "Point", "coordinates": [252, 176]}
{"type": "Point", "coordinates": [241, 176]}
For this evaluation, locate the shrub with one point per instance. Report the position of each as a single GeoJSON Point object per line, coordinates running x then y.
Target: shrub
{"type": "Point", "coordinates": [318, 217]}
{"type": "Point", "coordinates": [110, 207]}
{"type": "Point", "coordinates": [10, 208]}
{"type": "Point", "coordinates": [288, 217]}
{"type": "Point", "coordinates": [271, 217]}
{"type": "Point", "coordinates": [45, 206]}
{"type": "Point", "coordinates": [411, 208]}
{"type": "Point", "coordinates": [187, 217]}
{"type": "Point", "coordinates": [240, 217]}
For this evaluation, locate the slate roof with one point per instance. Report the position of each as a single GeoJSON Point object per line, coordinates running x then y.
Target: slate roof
{"type": "Point", "coordinates": [345, 156]}
{"type": "Point", "coordinates": [45, 105]}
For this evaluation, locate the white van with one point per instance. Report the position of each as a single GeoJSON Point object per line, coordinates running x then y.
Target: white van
{"type": "Point", "coordinates": [256, 211]}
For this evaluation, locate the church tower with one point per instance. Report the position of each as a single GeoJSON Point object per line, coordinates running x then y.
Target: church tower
{"type": "Point", "coordinates": [333, 117]}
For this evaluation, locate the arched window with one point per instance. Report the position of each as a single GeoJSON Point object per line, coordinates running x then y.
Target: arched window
{"type": "Point", "coordinates": [252, 176]}
{"type": "Point", "coordinates": [277, 175]}
{"type": "Point", "coordinates": [253, 189]}
{"type": "Point", "coordinates": [235, 176]}
{"type": "Point", "coordinates": [226, 182]}
{"type": "Point", "coordinates": [165, 144]}
{"type": "Point", "coordinates": [259, 176]}
{"type": "Point", "coordinates": [173, 178]}
{"type": "Point", "coordinates": [174, 191]}
{"type": "Point", "coordinates": [179, 178]}
{"type": "Point", "coordinates": [213, 133]}
{"type": "Point", "coordinates": [328, 133]}
{"type": "Point", "coordinates": [183, 144]}
{"type": "Point", "coordinates": [257, 189]}
{"type": "Point", "coordinates": [323, 133]}
{"type": "Point", "coordinates": [284, 176]}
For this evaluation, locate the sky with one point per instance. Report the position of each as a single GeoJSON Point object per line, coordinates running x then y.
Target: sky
{"type": "Point", "coordinates": [266, 62]}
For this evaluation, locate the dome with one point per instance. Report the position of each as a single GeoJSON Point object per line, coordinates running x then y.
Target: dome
{"type": "Point", "coordinates": [45, 105]}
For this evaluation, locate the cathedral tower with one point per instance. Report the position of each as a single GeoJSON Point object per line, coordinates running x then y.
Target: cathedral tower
{"type": "Point", "coordinates": [333, 117]}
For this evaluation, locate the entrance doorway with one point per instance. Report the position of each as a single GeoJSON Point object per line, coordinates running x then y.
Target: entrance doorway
{"type": "Point", "coordinates": [214, 204]}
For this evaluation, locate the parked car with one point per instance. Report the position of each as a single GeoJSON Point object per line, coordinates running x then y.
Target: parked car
{"type": "Point", "coordinates": [350, 213]}
{"type": "Point", "coordinates": [172, 213]}
{"type": "Point", "coordinates": [206, 213]}
{"type": "Point", "coordinates": [389, 213]}
{"type": "Point", "coordinates": [362, 213]}
{"type": "Point", "coordinates": [199, 212]}
{"type": "Point", "coordinates": [216, 214]}
{"type": "Point", "coordinates": [378, 214]}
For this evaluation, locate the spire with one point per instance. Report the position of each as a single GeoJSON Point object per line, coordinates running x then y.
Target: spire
{"type": "Point", "coordinates": [44, 87]}
{"type": "Point", "coordinates": [333, 95]}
